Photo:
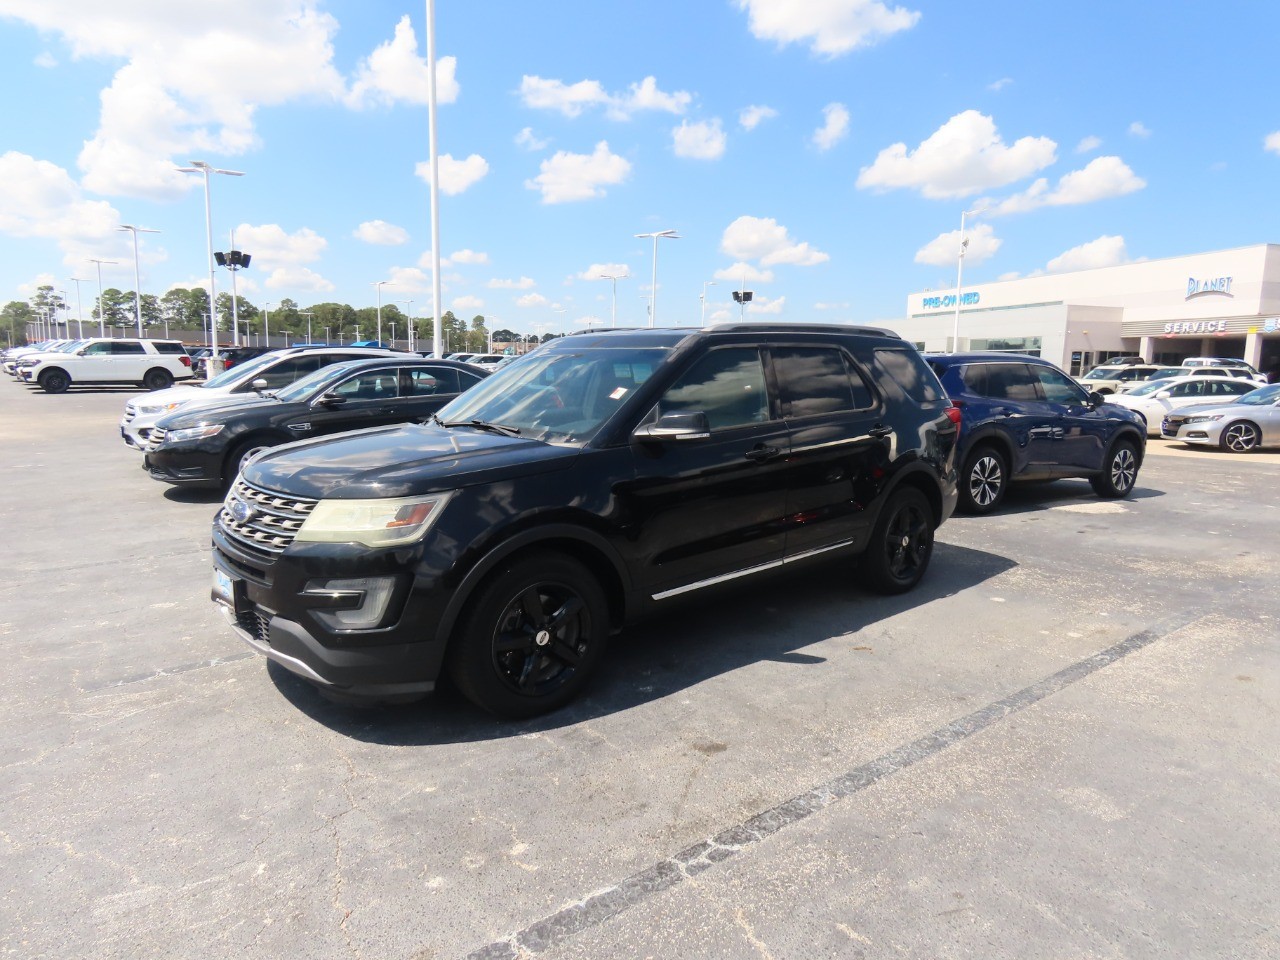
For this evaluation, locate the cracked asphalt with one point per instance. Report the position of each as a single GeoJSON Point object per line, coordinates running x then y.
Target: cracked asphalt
{"type": "Point", "coordinates": [1063, 744]}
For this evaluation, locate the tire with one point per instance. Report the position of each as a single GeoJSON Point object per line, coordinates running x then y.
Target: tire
{"type": "Point", "coordinates": [532, 637]}
{"type": "Point", "coordinates": [54, 381]}
{"type": "Point", "coordinates": [1240, 437]}
{"type": "Point", "coordinates": [901, 543]}
{"type": "Point", "coordinates": [241, 453]}
{"type": "Point", "coordinates": [1119, 472]}
{"type": "Point", "coordinates": [984, 480]}
{"type": "Point", "coordinates": [157, 379]}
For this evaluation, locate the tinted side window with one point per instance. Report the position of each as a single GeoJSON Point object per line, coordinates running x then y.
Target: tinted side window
{"type": "Point", "coordinates": [162, 347]}
{"type": "Point", "coordinates": [727, 385]}
{"type": "Point", "coordinates": [286, 371]}
{"type": "Point", "coordinates": [910, 372]}
{"type": "Point", "coordinates": [1002, 381]}
{"type": "Point", "coordinates": [974, 378]}
{"type": "Point", "coordinates": [1057, 387]}
{"type": "Point", "coordinates": [369, 385]}
{"type": "Point", "coordinates": [428, 381]}
{"type": "Point", "coordinates": [814, 380]}
{"type": "Point", "coordinates": [1188, 389]}
{"type": "Point", "coordinates": [97, 349]}
{"type": "Point", "coordinates": [127, 348]}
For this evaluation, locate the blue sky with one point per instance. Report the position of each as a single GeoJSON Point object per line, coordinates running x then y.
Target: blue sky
{"type": "Point", "coordinates": [1089, 134]}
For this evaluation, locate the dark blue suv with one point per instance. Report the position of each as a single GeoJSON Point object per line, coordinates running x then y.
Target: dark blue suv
{"type": "Point", "coordinates": [1024, 419]}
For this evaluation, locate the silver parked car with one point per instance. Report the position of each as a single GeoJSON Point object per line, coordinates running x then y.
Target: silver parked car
{"type": "Point", "coordinates": [1249, 423]}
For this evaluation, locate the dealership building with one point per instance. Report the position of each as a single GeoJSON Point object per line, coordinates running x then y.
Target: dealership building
{"type": "Point", "coordinates": [1221, 304]}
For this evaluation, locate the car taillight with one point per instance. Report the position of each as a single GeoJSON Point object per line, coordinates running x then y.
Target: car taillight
{"type": "Point", "coordinates": [953, 414]}
{"type": "Point", "coordinates": [186, 361]}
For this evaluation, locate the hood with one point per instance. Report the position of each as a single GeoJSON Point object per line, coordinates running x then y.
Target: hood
{"type": "Point", "coordinates": [212, 408]}
{"type": "Point", "coordinates": [402, 461]}
{"type": "Point", "coordinates": [188, 395]}
{"type": "Point", "coordinates": [1226, 409]}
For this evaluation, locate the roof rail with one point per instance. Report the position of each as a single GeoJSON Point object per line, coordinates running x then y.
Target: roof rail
{"type": "Point", "coordinates": [735, 327]}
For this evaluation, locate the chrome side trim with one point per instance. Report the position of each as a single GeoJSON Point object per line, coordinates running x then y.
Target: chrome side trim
{"type": "Point", "coordinates": [292, 664]}
{"type": "Point", "coordinates": [748, 571]}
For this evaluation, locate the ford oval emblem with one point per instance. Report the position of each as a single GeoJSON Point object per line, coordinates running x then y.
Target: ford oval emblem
{"type": "Point", "coordinates": [240, 511]}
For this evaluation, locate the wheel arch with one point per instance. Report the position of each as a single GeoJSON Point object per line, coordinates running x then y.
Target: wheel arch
{"type": "Point", "coordinates": [251, 436]}
{"type": "Point", "coordinates": [48, 370]}
{"type": "Point", "coordinates": [587, 547]}
{"type": "Point", "coordinates": [922, 479]}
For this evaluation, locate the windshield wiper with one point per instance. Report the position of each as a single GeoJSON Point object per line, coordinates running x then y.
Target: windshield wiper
{"type": "Point", "coordinates": [501, 428]}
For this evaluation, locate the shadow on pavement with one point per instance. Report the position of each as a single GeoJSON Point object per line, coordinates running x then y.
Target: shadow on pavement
{"type": "Point", "coordinates": [1028, 497]}
{"type": "Point", "coordinates": [712, 633]}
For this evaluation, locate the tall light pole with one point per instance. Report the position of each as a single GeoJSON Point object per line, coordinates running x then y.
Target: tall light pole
{"type": "Point", "coordinates": [308, 314]}
{"type": "Point", "coordinates": [101, 319]}
{"type": "Point", "coordinates": [378, 285]}
{"type": "Point", "coordinates": [214, 365]}
{"type": "Point", "coordinates": [964, 243]}
{"type": "Point", "coordinates": [266, 323]}
{"type": "Point", "coordinates": [434, 160]}
{"type": "Point", "coordinates": [137, 277]}
{"type": "Point", "coordinates": [79, 308]}
{"type": "Point", "coordinates": [412, 331]}
{"type": "Point", "coordinates": [615, 278]}
{"type": "Point", "coordinates": [702, 319]}
{"type": "Point", "coordinates": [234, 261]}
{"type": "Point", "coordinates": [653, 293]}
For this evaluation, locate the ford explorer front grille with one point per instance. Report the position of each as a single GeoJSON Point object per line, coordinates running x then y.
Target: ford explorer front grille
{"type": "Point", "coordinates": [260, 521]}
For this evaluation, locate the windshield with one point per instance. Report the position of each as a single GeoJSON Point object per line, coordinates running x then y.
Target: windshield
{"type": "Point", "coordinates": [1166, 372]}
{"type": "Point", "coordinates": [69, 347]}
{"type": "Point", "coordinates": [1262, 397]}
{"type": "Point", "coordinates": [238, 373]}
{"type": "Point", "coordinates": [1102, 373]}
{"type": "Point", "coordinates": [559, 397]}
{"type": "Point", "coordinates": [1148, 388]}
{"type": "Point", "coordinates": [315, 382]}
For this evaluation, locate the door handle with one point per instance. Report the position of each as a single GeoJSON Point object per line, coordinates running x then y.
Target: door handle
{"type": "Point", "coordinates": [761, 453]}
{"type": "Point", "coordinates": [880, 430]}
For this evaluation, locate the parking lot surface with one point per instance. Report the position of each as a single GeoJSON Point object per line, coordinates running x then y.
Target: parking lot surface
{"type": "Point", "coordinates": [1061, 745]}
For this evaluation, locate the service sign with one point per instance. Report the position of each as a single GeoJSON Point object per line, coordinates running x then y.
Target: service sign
{"type": "Point", "coordinates": [1200, 327]}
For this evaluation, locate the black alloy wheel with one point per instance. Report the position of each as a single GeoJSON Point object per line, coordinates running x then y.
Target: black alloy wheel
{"type": "Point", "coordinates": [157, 379]}
{"type": "Point", "coordinates": [534, 635]}
{"type": "Point", "coordinates": [984, 480]}
{"type": "Point", "coordinates": [1240, 437]}
{"type": "Point", "coordinates": [901, 543]}
{"type": "Point", "coordinates": [1119, 473]}
{"type": "Point", "coordinates": [55, 381]}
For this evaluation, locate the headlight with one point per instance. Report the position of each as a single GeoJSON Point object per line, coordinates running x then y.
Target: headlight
{"type": "Point", "coordinates": [192, 433]}
{"type": "Point", "coordinates": [160, 407]}
{"type": "Point", "coordinates": [1203, 419]}
{"type": "Point", "coordinates": [375, 523]}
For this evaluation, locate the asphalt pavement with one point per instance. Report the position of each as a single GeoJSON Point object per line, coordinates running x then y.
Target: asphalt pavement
{"type": "Point", "coordinates": [1063, 744]}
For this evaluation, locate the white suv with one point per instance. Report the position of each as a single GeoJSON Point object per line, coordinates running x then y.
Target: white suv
{"type": "Point", "coordinates": [154, 364]}
{"type": "Point", "coordinates": [244, 381]}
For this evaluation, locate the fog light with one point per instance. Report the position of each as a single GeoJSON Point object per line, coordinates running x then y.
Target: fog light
{"type": "Point", "coordinates": [363, 600]}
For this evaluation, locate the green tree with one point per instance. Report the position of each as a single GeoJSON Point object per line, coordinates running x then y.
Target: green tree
{"type": "Point", "coordinates": [151, 313]}
{"type": "Point", "coordinates": [16, 316]}
{"type": "Point", "coordinates": [478, 337]}
{"type": "Point", "coordinates": [117, 307]}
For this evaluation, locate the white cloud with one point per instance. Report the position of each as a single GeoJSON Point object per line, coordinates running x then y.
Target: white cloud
{"type": "Point", "coordinates": [766, 240]}
{"type": "Point", "coordinates": [467, 303]}
{"type": "Point", "coordinates": [1272, 142]}
{"type": "Point", "coordinates": [832, 306]}
{"type": "Point", "coordinates": [528, 141]}
{"type": "Point", "coordinates": [408, 280]}
{"type": "Point", "coordinates": [40, 200]}
{"type": "Point", "coordinates": [750, 117]}
{"type": "Point", "coordinates": [183, 90]}
{"type": "Point", "coordinates": [395, 73]}
{"type": "Point", "coordinates": [46, 60]}
{"type": "Point", "coordinates": [1011, 275]}
{"type": "Point", "coordinates": [571, 99]}
{"type": "Point", "coordinates": [532, 300]}
{"type": "Point", "coordinates": [763, 305]}
{"type": "Point", "coordinates": [270, 246]}
{"type": "Point", "coordinates": [835, 129]}
{"type": "Point", "coordinates": [382, 234]}
{"type": "Point", "coordinates": [297, 278]}
{"type": "Point", "coordinates": [1139, 129]}
{"type": "Point", "coordinates": [567, 177]}
{"type": "Point", "coordinates": [1088, 144]}
{"type": "Point", "coordinates": [999, 84]}
{"type": "Point", "coordinates": [943, 250]}
{"type": "Point", "coordinates": [524, 283]}
{"type": "Point", "coordinates": [1103, 252]}
{"type": "Point", "coordinates": [467, 257]}
{"type": "Point", "coordinates": [743, 273]}
{"type": "Point", "coordinates": [963, 156]}
{"type": "Point", "coordinates": [830, 27]}
{"type": "Point", "coordinates": [597, 270]}
{"type": "Point", "coordinates": [1101, 179]}
{"type": "Point", "coordinates": [455, 175]}
{"type": "Point", "coordinates": [699, 141]}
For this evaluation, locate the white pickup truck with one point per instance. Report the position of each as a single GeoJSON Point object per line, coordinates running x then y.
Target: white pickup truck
{"type": "Point", "coordinates": [154, 364]}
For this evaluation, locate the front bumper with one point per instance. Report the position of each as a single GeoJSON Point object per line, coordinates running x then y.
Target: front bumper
{"type": "Point", "coordinates": [1193, 433]}
{"type": "Point", "coordinates": [187, 468]}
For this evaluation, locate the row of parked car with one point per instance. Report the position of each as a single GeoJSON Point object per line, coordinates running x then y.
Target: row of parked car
{"type": "Point", "coordinates": [391, 519]}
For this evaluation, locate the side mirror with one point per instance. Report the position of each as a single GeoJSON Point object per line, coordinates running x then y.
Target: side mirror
{"type": "Point", "coordinates": [260, 384]}
{"type": "Point", "coordinates": [691, 425]}
{"type": "Point", "coordinates": [330, 400]}
{"type": "Point", "coordinates": [1163, 395]}
{"type": "Point", "coordinates": [1096, 399]}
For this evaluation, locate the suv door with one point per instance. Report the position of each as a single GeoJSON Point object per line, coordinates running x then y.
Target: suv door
{"type": "Point", "coordinates": [129, 361]}
{"type": "Point", "coordinates": [838, 441]}
{"type": "Point", "coordinates": [1016, 406]}
{"type": "Point", "coordinates": [369, 398]}
{"type": "Point", "coordinates": [708, 508]}
{"type": "Point", "coordinates": [1083, 429]}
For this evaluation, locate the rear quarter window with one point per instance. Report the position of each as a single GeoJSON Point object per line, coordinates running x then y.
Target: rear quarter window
{"type": "Point", "coordinates": [162, 347]}
{"type": "Point", "coordinates": [908, 370]}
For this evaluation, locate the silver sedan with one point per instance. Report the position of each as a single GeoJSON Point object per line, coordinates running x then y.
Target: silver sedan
{"type": "Point", "coordinates": [1249, 423]}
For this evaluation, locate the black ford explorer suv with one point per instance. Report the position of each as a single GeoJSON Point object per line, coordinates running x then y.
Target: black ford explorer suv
{"type": "Point", "coordinates": [575, 489]}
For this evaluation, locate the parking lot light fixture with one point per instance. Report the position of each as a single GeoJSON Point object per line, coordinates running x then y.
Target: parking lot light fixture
{"type": "Point", "coordinates": [964, 244]}
{"type": "Point", "coordinates": [79, 307]}
{"type": "Point", "coordinates": [653, 292]}
{"type": "Point", "coordinates": [409, 304]}
{"type": "Point", "coordinates": [266, 323]}
{"type": "Point", "coordinates": [615, 278]}
{"type": "Point", "coordinates": [703, 299]}
{"type": "Point", "coordinates": [137, 277]}
{"type": "Point", "coordinates": [214, 365]}
{"type": "Point", "coordinates": [101, 320]}
{"type": "Point", "coordinates": [377, 284]}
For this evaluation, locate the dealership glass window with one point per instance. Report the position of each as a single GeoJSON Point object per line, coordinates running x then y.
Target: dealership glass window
{"type": "Point", "coordinates": [1029, 346]}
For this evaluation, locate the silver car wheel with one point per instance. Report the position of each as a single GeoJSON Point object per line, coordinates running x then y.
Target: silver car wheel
{"type": "Point", "coordinates": [1124, 469]}
{"type": "Point", "coordinates": [985, 480]}
{"type": "Point", "coordinates": [1240, 437]}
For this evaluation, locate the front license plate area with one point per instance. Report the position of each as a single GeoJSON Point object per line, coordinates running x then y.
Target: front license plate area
{"type": "Point", "coordinates": [224, 588]}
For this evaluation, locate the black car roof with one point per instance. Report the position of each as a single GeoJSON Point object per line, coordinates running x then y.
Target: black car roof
{"type": "Point", "coordinates": [405, 360]}
{"type": "Point", "coordinates": [671, 336]}
{"type": "Point", "coordinates": [952, 359]}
